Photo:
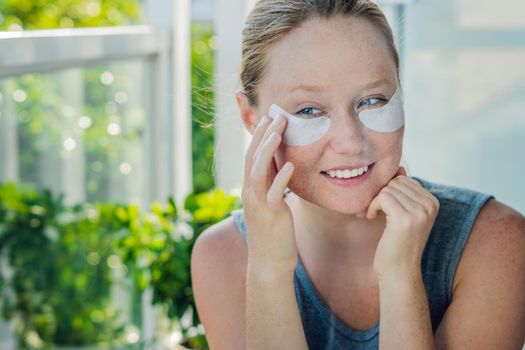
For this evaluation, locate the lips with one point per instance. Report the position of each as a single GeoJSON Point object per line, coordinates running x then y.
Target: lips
{"type": "Point", "coordinates": [348, 175]}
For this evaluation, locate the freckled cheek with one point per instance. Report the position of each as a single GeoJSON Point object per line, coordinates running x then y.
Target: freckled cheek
{"type": "Point", "coordinates": [301, 157]}
{"type": "Point", "coordinates": [387, 143]}
{"type": "Point", "coordinates": [388, 147]}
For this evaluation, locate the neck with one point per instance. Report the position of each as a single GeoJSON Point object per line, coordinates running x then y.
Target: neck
{"type": "Point", "coordinates": [326, 234]}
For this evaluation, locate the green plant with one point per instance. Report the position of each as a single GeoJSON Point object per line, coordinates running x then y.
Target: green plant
{"type": "Point", "coordinates": [56, 292]}
{"type": "Point", "coordinates": [63, 261]}
{"type": "Point", "coordinates": [23, 14]}
{"type": "Point", "coordinates": [156, 239]}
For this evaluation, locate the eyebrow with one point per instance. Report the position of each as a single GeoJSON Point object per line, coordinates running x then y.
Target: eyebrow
{"type": "Point", "coordinates": [314, 88]}
{"type": "Point", "coordinates": [310, 88]}
{"type": "Point", "coordinates": [375, 83]}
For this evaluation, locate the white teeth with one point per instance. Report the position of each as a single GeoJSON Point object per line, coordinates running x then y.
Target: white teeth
{"type": "Point", "coordinates": [347, 174]}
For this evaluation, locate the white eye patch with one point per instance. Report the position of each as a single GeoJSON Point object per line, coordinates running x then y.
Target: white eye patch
{"type": "Point", "coordinates": [387, 118]}
{"type": "Point", "coordinates": [304, 131]}
{"type": "Point", "coordinates": [301, 131]}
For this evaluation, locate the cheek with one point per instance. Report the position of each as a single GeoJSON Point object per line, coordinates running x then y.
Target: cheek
{"type": "Point", "coordinates": [303, 158]}
{"type": "Point", "coordinates": [388, 150]}
{"type": "Point", "coordinates": [386, 144]}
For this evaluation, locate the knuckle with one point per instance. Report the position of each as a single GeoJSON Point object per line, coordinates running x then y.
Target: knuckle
{"type": "Point", "coordinates": [431, 207]}
{"type": "Point", "coordinates": [420, 215]}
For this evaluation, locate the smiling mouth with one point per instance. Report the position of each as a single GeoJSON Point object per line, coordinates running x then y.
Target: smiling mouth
{"type": "Point", "coordinates": [347, 173]}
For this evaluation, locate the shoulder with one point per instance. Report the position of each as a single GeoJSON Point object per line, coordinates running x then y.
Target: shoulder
{"type": "Point", "coordinates": [224, 234]}
{"type": "Point", "coordinates": [488, 304]}
{"type": "Point", "coordinates": [218, 269]}
{"type": "Point", "coordinates": [497, 241]}
{"type": "Point", "coordinates": [219, 247]}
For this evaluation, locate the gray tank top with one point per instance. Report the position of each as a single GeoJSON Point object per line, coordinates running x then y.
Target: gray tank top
{"type": "Point", "coordinates": [458, 211]}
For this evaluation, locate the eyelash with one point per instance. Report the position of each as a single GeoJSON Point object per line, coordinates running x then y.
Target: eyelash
{"type": "Point", "coordinates": [301, 112]}
{"type": "Point", "coordinates": [379, 101]}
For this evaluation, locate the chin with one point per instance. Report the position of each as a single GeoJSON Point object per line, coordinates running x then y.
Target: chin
{"type": "Point", "coordinates": [337, 202]}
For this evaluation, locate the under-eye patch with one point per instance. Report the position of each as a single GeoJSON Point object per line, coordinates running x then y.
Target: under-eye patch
{"type": "Point", "coordinates": [304, 131]}
{"type": "Point", "coordinates": [301, 131]}
{"type": "Point", "coordinates": [387, 118]}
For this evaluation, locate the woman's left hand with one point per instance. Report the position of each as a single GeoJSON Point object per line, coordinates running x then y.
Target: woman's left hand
{"type": "Point", "coordinates": [410, 214]}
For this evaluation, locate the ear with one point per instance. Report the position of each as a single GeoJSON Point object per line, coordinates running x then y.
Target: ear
{"type": "Point", "coordinates": [248, 112]}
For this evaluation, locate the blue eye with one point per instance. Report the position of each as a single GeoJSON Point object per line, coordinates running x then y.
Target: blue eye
{"type": "Point", "coordinates": [371, 101]}
{"type": "Point", "coordinates": [309, 112]}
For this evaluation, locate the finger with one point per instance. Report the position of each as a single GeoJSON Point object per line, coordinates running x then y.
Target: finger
{"type": "Point", "coordinates": [407, 188]}
{"type": "Point", "coordinates": [415, 189]}
{"type": "Point", "coordinates": [387, 203]}
{"type": "Point", "coordinates": [278, 125]}
{"type": "Point", "coordinates": [262, 166]}
{"type": "Point", "coordinates": [409, 203]}
{"type": "Point", "coordinates": [258, 135]}
{"type": "Point", "coordinates": [275, 194]}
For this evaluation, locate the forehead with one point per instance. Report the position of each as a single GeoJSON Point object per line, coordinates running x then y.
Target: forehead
{"type": "Point", "coordinates": [330, 52]}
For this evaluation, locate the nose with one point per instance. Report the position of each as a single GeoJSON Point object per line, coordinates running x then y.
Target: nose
{"type": "Point", "coordinates": [347, 134]}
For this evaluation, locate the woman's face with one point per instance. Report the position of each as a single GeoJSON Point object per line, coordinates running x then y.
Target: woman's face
{"type": "Point", "coordinates": [335, 68]}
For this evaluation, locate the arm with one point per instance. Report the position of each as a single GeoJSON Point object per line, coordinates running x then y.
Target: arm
{"type": "Point", "coordinates": [218, 272]}
{"type": "Point", "coordinates": [488, 303]}
{"type": "Point", "coordinates": [272, 315]}
{"type": "Point", "coordinates": [404, 313]}
{"type": "Point", "coordinates": [253, 307]}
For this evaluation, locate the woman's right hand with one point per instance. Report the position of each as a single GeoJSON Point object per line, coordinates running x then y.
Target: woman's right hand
{"type": "Point", "coordinates": [269, 221]}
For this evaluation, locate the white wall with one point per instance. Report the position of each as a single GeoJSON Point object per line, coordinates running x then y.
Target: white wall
{"type": "Point", "coordinates": [464, 90]}
{"type": "Point", "coordinates": [230, 136]}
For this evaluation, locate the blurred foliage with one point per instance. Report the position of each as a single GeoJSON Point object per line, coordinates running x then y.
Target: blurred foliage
{"type": "Point", "coordinates": [202, 106]}
{"type": "Point", "coordinates": [52, 291]}
{"type": "Point", "coordinates": [58, 290]}
{"type": "Point", "coordinates": [43, 105]}
{"type": "Point", "coordinates": [64, 259]}
{"type": "Point", "coordinates": [46, 14]}
{"type": "Point", "coordinates": [45, 118]}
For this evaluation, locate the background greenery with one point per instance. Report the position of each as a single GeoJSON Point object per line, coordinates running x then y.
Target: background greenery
{"type": "Point", "coordinates": [65, 260]}
{"type": "Point", "coordinates": [42, 110]}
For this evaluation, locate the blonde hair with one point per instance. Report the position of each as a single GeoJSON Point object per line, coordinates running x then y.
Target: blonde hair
{"type": "Point", "coordinates": [270, 20]}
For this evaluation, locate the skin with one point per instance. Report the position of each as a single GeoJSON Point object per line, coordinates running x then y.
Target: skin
{"type": "Point", "coordinates": [361, 245]}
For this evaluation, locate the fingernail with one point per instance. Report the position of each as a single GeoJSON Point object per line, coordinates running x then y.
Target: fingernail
{"type": "Point", "coordinates": [287, 167]}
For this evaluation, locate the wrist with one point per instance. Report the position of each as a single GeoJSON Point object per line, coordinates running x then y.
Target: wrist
{"type": "Point", "coordinates": [399, 273]}
{"type": "Point", "coordinates": [268, 269]}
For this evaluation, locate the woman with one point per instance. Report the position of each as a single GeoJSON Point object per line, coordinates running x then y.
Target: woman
{"type": "Point", "coordinates": [356, 255]}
